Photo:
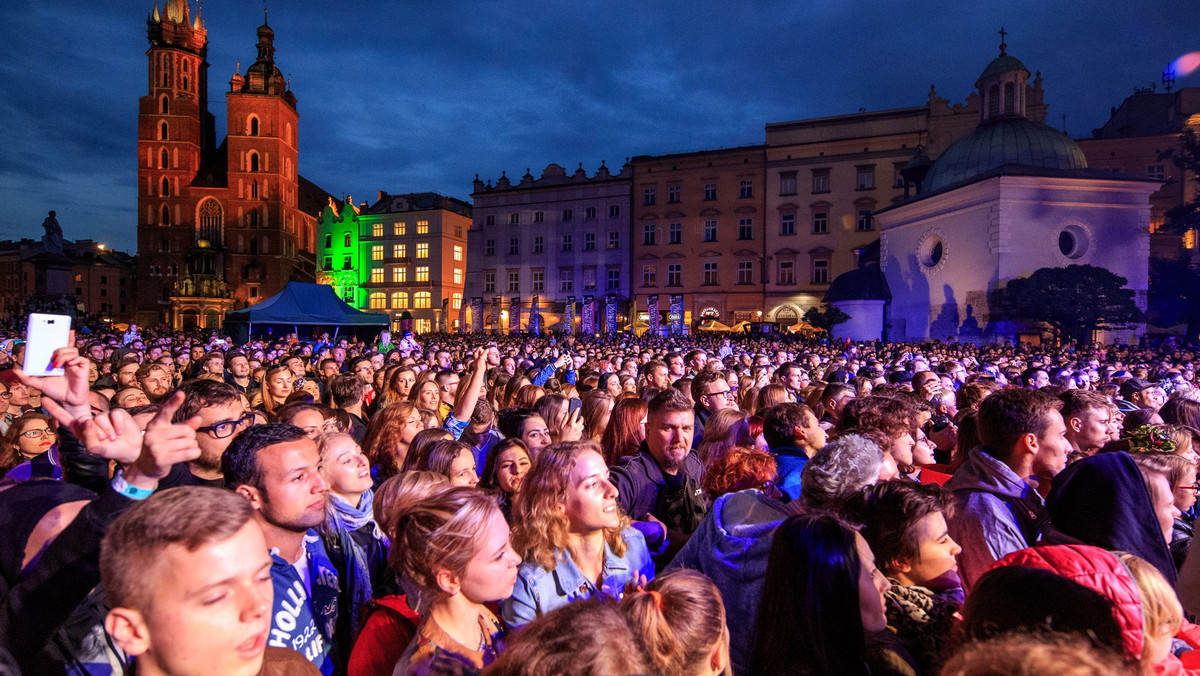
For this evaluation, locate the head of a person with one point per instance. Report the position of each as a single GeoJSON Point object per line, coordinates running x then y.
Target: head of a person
{"type": "Point", "coordinates": [126, 373]}
{"type": "Point", "coordinates": [792, 425]}
{"type": "Point", "coordinates": [453, 459]}
{"type": "Point", "coordinates": [129, 397]}
{"type": "Point", "coordinates": [1162, 614]}
{"type": "Point", "coordinates": [1034, 653]}
{"type": "Point", "coordinates": [506, 466]}
{"type": "Point", "coordinates": [905, 524]}
{"type": "Point", "coordinates": [840, 470]}
{"type": "Point", "coordinates": [679, 621]}
{"type": "Point", "coordinates": [155, 381]}
{"type": "Point", "coordinates": [314, 419]}
{"type": "Point", "coordinates": [725, 429]}
{"type": "Point", "coordinates": [186, 575]}
{"type": "Point", "coordinates": [711, 390]}
{"type": "Point", "coordinates": [362, 368]}
{"type": "Point", "coordinates": [1014, 423]}
{"type": "Point", "coordinates": [588, 637]}
{"type": "Point", "coordinates": [1156, 471]}
{"type": "Point", "coordinates": [222, 416]}
{"type": "Point", "coordinates": [30, 435]}
{"type": "Point", "coordinates": [454, 542]}
{"type": "Point", "coordinates": [390, 434]}
{"type": "Point", "coordinates": [566, 491]}
{"type": "Point", "coordinates": [346, 390]}
{"type": "Point", "coordinates": [344, 466]}
{"type": "Point", "coordinates": [1088, 418]}
{"type": "Point", "coordinates": [821, 595]}
{"type": "Point", "coordinates": [626, 429]}
{"type": "Point", "coordinates": [238, 364]}
{"type": "Point", "coordinates": [427, 395]}
{"type": "Point", "coordinates": [526, 425]}
{"type": "Point", "coordinates": [737, 469]}
{"type": "Point", "coordinates": [1180, 410]}
{"type": "Point", "coordinates": [402, 381]}
{"type": "Point", "coordinates": [422, 443]}
{"type": "Point", "coordinates": [277, 468]}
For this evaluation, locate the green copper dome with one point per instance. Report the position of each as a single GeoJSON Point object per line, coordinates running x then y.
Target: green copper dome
{"type": "Point", "coordinates": [1001, 64]}
{"type": "Point", "coordinates": [1009, 140]}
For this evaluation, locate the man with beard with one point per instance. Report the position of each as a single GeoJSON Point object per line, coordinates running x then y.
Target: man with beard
{"type": "Point", "coordinates": [661, 482]}
{"type": "Point", "coordinates": [220, 416]}
{"type": "Point", "coordinates": [155, 381]}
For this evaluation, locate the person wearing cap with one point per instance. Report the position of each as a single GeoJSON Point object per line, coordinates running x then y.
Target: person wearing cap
{"type": "Point", "coordinates": [1139, 393]}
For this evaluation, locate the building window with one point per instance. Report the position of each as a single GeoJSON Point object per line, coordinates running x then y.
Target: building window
{"type": "Point", "coordinates": [539, 280]}
{"type": "Point", "coordinates": [648, 197]}
{"type": "Point", "coordinates": [820, 271]}
{"type": "Point", "coordinates": [864, 221]}
{"type": "Point", "coordinates": [675, 233]}
{"type": "Point", "coordinates": [710, 231]}
{"type": "Point", "coordinates": [566, 280]}
{"type": "Point", "coordinates": [589, 279]}
{"type": "Point", "coordinates": [787, 224]}
{"type": "Point", "coordinates": [327, 264]}
{"type": "Point", "coordinates": [539, 216]}
{"type": "Point", "coordinates": [514, 246]}
{"type": "Point", "coordinates": [589, 213]}
{"type": "Point", "coordinates": [456, 301]}
{"type": "Point", "coordinates": [514, 280]}
{"type": "Point", "coordinates": [787, 273]}
{"type": "Point", "coordinates": [489, 281]}
{"type": "Point", "coordinates": [864, 178]}
{"type": "Point", "coordinates": [458, 252]}
{"type": "Point", "coordinates": [745, 272]}
{"type": "Point", "coordinates": [514, 219]}
{"type": "Point", "coordinates": [165, 188]}
{"type": "Point", "coordinates": [399, 229]}
{"type": "Point", "coordinates": [377, 230]}
{"type": "Point", "coordinates": [347, 263]}
{"type": "Point", "coordinates": [422, 300]}
{"type": "Point", "coordinates": [458, 275]}
{"type": "Point", "coordinates": [162, 105]}
{"type": "Point", "coordinates": [897, 177]}
{"type": "Point", "coordinates": [614, 279]}
{"type": "Point", "coordinates": [422, 227]}
{"type": "Point", "coordinates": [649, 277]}
{"type": "Point", "coordinates": [649, 234]}
{"type": "Point", "coordinates": [614, 211]}
{"type": "Point", "coordinates": [377, 252]}
{"type": "Point", "coordinates": [377, 300]}
{"type": "Point", "coordinates": [614, 240]}
{"type": "Point", "coordinates": [254, 189]}
{"type": "Point", "coordinates": [490, 219]}
{"type": "Point", "coordinates": [568, 243]}
{"type": "Point", "coordinates": [674, 274]}
{"type": "Point", "coordinates": [489, 247]}
{"type": "Point", "coordinates": [674, 194]}
{"type": "Point", "coordinates": [787, 183]}
{"type": "Point", "coordinates": [710, 274]}
{"type": "Point", "coordinates": [399, 274]}
{"type": "Point", "coordinates": [589, 241]}
{"type": "Point", "coordinates": [399, 251]}
{"type": "Point", "coordinates": [539, 244]}
{"type": "Point", "coordinates": [328, 241]}
{"type": "Point", "coordinates": [164, 159]}
{"type": "Point", "coordinates": [820, 181]}
{"type": "Point", "coordinates": [745, 228]}
{"type": "Point", "coordinates": [422, 273]}
{"type": "Point", "coordinates": [253, 161]}
{"type": "Point", "coordinates": [745, 189]}
{"type": "Point", "coordinates": [820, 223]}
{"type": "Point", "coordinates": [710, 192]}
{"type": "Point", "coordinates": [346, 240]}
{"type": "Point", "coordinates": [162, 132]}
{"type": "Point", "coordinates": [568, 214]}
{"type": "Point", "coordinates": [399, 300]}
{"type": "Point", "coordinates": [376, 275]}
{"type": "Point", "coordinates": [422, 249]}
{"type": "Point", "coordinates": [166, 215]}
{"type": "Point", "coordinates": [1158, 172]}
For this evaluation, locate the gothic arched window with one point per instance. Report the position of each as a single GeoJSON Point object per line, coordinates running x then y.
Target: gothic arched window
{"type": "Point", "coordinates": [166, 187]}
{"type": "Point", "coordinates": [164, 159]}
{"type": "Point", "coordinates": [209, 221]}
{"type": "Point", "coordinates": [162, 107]}
{"type": "Point", "coordinates": [253, 190]}
{"type": "Point", "coordinates": [253, 126]}
{"type": "Point", "coordinates": [166, 215]}
{"type": "Point", "coordinates": [162, 131]}
{"type": "Point", "coordinates": [253, 161]}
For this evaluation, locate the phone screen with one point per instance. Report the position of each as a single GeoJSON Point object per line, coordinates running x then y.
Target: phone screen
{"type": "Point", "coordinates": [43, 335]}
{"type": "Point", "coordinates": [573, 405]}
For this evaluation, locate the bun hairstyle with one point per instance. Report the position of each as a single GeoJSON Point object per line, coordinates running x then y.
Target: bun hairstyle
{"type": "Point", "coordinates": [677, 620]}
{"type": "Point", "coordinates": [439, 532]}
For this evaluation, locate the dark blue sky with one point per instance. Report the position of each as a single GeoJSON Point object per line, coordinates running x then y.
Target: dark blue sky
{"type": "Point", "coordinates": [410, 96]}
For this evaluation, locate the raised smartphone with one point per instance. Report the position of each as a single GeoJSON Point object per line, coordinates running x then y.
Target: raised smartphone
{"type": "Point", "coordinates": [43, 335]}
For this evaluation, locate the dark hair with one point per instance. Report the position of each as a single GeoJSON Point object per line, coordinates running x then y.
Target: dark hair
{"type": "Point", "coordinates": [487, 478]}
{"type": "Point", "coordinates": [700, 383]}
{"type": "Point", "coordinates": [890, 512]}
{"type": "Point", "coordinates": [239, 463]}
{"type": "Point", "coordinates": [808, 617]}
{"type": "Point", "coordinates": [781, 421]}
{"type": "Point", "coordinates": [1007, 415]}
{"type": "Point", "coordinates": [1181, 411]}
{"type": "Point", "coordinates": [667, 401]}
{"type": "Point", "coordinates": [442, 455]}
{"type": "Point", "coordinates": [200, 394]}
{"type": "Point", "coordinates": [346, 389]}
{"type": "Point", "coordinates": [287, 412]}
{"type": "Point", "coordinates": [511, 421]}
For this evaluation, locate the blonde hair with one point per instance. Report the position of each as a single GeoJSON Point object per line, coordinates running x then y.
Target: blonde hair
{"type": "Point", "coordinates": [677, 620]}
{"type": "Point", "coordinates": [1161, 611]}
{"type": "Point", "coordinates": [541, 525]}
{"type": "Point", "coordinates": [404, 489]}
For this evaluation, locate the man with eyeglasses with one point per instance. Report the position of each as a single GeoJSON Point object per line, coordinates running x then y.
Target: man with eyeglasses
{"type": "Point", "coordinates": [711, 393]}
{"type": "Point", "coordinates": [217, 409]}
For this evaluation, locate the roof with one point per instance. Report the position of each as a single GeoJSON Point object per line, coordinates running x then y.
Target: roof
{"type": "Point", "coordinates": [311, 198]}
{"type": "Point", "coordinates": [305, 304]}
{"type": "Point", "coordinates": [1001, 64]}
{"type": "Point", "coordinates": [1000, 142]}
{"type": "Point", "coordinates": [864, 283]}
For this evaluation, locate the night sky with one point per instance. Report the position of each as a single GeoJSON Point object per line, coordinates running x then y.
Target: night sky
{"type": "Point", "coordinates": [408, 96]}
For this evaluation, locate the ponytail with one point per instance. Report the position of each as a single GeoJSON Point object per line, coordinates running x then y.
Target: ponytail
{"type": "Point", "coordinates": [678, 619]}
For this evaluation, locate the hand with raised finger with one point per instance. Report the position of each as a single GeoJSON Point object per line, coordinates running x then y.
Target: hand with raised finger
{"type": "Point", "coordinates": [164, 445]}
{"type": "Point", "coordinates": [112, 435]}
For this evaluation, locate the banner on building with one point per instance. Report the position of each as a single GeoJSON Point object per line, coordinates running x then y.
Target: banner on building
{"type": "Point", "coordinates": [610, 314]}
{"type": "Point", "coordinates": [587, 325]}
{"type": "Point", "coordinates": [568, 320]}
{"type": "Point", "coordinates": [495, 314]}
{"type": "Point", "coordinates": [652, 311]}
{"type": "Point", "coordinates": [514, 314]}
{"type": "Point", "coordinates": [477, 314]}
{"type": "Point", "coordinates": [535, 317]}
{"type": "Point", "coordinates": [677, 314]}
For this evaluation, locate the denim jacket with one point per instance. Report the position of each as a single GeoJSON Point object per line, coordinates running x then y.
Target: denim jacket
{"type": "Point", "coordinates": [539, 590]}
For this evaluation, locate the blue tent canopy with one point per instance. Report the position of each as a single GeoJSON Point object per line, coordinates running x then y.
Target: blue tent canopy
{"type": "Point", "coordinates": [300, 304]}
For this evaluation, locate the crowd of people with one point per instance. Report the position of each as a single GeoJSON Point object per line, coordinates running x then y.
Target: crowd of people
{"type": "Point", "coordinates": [560, 504]}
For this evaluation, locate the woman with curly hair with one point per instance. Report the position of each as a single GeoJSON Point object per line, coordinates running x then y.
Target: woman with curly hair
{"type": "Point", "coordinates": [388, 438]}
{"type": "Point", "coordinates": [575, 540]}
{"type": "Point", "coordinates": [626, 430]}
{"type": "Point", "coordinates": [427, 395]}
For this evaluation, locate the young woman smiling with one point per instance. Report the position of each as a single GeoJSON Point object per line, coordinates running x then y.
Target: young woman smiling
{"type": "Point", "coordinates": [505, 471]}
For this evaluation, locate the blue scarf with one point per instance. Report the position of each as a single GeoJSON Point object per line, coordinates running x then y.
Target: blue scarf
{"type": "Point", "coordinates": [347, 517]}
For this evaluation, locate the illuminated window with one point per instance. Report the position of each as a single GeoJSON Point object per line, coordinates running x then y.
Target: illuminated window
{"type": "Point", "coordinates": [458, 275]}
{"type": "Point", "coordinates": [377, 230]}
{"type": "Point", "coordinates": [710, 274]}
{"type": "Point", "coordinates": [346, 240]}
{"type": "Point", "coordinates": [399, 229]}
{"type": "Point", "coordinates": [399, 275]}
{"type": "Point", "coordinates": [458, 252]}
{"type": "Point", "coordinates": [422, 300]}
{"type": "Point", "coordinates": [422, 227]}
{"type": "Point", "coordinates": [649, 276]}
{"type": "Point", "coordinates": [422, 273]}
{"type": "Point", "coordinates": [376, 275]}
{"type": "Point", "coordinates": [377, 252]}
{"type": "Point", "coordinates": [377, 300]}
{"type": "Point", "coordinates": [399, 300]}
{"type": "Point", "coordinates": [456, 301]}
{"type": "Point", "coordinates": [399, 250]}
{"type": "Point", "coordinates": [422, 249]}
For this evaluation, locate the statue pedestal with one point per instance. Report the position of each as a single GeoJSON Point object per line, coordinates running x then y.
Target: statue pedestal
{"type": "Point", "coordinates": [52, 276]}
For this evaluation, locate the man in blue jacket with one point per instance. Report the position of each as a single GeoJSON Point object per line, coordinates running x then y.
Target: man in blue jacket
{"type": "Point", "coordinates": [793, 434]}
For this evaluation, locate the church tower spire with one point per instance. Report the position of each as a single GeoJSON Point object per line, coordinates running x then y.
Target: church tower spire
{"type": "Point", "coordinates": [1002, 86]}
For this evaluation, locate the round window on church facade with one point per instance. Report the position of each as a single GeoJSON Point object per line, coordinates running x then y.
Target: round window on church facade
{"type": "Point", "coordinates": [931, 252]}
{"type": "Point", "coordinates": [1073, 242]}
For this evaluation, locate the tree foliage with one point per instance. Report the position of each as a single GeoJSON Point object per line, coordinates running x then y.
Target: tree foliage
{"type": "Point", "coordinates": [826, 317]}
{"type": "Point", "coordinates": [1075, 301]}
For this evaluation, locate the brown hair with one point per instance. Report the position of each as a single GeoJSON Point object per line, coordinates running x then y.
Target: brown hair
{"type": "Point", "coordinates": [724, 430]}
{"type": "Point", "coordinates": [596, 409]}
{"type": "Point", "coordinates": [890, 512]}
{"type": "Point", "coordinates": [1029, 654]}
{"type": "Point", "coordinates": [1011, 413]}
{"type": "Point", "coordinates": [528, 396]}
{"type": "Point", "coordinates": [737, 469]}
{"type": "Point", "coordinates": [418, 450]}
{"type": "Point", "coordinates": [10, 455]}
{"type": "Point", "coordinates": [191, 516]}
{"type": "Point", "coordinates": [583, 638]}
{"type": "Point", "coordinates": [442, 455]}
{"type": "Point", "coordinates": [677, 621]}
{"type": "Point", "coordinates": [381, 443]}
{"type": "Point", "coordinates": [624, 433]}
{"type": "Point", "coordinates": [402, 489]}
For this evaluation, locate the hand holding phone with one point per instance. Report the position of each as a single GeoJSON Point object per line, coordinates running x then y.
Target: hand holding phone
{"type": "Point", "coordinates": [43, 335]}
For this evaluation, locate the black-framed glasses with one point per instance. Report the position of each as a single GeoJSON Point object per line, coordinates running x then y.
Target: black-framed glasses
{"type": "Point", "coordinates": [37, 434]}
{"type": "Point", "coordinates": [227, 428]}
{"type": "Point", "coordinates": [6, 395]}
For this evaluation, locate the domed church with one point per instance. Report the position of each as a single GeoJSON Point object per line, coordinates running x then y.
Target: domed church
{"type": "Point", "coordinates": [1010, 197]}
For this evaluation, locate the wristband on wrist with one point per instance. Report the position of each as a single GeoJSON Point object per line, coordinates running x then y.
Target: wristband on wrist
{"type": "Point", "coordinates": [127, 489]}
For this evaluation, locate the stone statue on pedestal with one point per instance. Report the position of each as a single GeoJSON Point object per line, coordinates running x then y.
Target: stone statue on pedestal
{"type": "Point", "coordinates": [53, 239]}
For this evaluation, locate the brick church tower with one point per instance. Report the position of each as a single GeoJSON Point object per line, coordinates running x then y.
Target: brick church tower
{"type": "Point", "coordinates": [219, 227]}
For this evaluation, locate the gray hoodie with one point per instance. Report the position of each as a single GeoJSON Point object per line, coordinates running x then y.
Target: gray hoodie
{"type": "Point", "coordinates": [731, 547]}
{"type": "Point", "coordinates": [996, 513]}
